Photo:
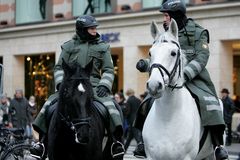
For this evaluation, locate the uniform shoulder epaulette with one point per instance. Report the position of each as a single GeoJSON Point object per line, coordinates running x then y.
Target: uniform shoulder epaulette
{"type": "Point", "coordinates": [103, 44]}
{"type": "Point", "coordinates": [199, 31]}
{"type": "Point", "coordinates": [68, 44]}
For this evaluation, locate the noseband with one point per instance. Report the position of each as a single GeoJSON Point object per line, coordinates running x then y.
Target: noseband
{"type": "Point", "coordinates": [171, 74]}
{"type": "Point", "coordinates": [73, 124]}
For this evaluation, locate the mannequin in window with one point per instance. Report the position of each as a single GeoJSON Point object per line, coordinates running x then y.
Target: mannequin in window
{"type": "Point", "coordinates": [107, 2]}
{"type": "Point", "coordinates": [42, 8]}
{"type": "Point", "coordinates": [90, 6]}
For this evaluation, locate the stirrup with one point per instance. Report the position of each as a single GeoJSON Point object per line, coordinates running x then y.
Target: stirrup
{"type": "Point", "coordinates": [43, 151]}
{"type": "Point", "coordinates": [117, 154]}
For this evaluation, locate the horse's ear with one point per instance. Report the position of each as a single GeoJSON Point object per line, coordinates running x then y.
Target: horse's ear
{"type": "Point", "coordinates": [154, 29]}
{"type": "Point", "coordinates": [173, 28]}
{"type": "Point", "coordinates": [89, 67]}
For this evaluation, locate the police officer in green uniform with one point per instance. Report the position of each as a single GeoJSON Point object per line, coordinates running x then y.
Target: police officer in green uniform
{"type": "Point", "coordinates": [86, 47]}
{"type": "Point", "coordinates": [194, 41]}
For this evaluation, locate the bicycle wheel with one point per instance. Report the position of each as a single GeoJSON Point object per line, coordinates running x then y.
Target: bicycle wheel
{"type": "Point", "coordinates": [17, 152]}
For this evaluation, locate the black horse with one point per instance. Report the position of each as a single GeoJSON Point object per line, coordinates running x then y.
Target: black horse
{"type": "Point", "coordinates": [77, 130]}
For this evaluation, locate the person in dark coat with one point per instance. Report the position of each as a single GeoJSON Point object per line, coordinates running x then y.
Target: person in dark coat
{"type": "Point", "coordinates": [120, 99]}
{"type": "Point", "coordinates": [32, 112]}
{"type": "Point", "coordinates": [4, 111]}
{"type": "Point", "coordinates": [32, 108]}
{"type": "Point", "coordinates": [133, 104]}
{"type": "Point", "coordinates": [18, 113]}
{"type": "Point", "coordinates": [228, 110]}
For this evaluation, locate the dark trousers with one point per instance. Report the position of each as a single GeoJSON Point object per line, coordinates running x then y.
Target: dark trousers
{"type": "Point", "coordinates": [229, 133]}
{"type": "Point", "coordinates": [216, 132]}
{"type": "Point", "coordinates": [132, 133]}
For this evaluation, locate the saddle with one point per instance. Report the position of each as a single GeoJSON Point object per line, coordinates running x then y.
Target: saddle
{"type": "Point", "coordinates": [102, 110]}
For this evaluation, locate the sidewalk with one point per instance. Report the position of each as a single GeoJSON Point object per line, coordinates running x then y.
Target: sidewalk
{"type": "Point", "coordinates": [234, 149]}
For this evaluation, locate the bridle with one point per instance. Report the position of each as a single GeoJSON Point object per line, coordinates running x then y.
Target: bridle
{"type": "Point", "coordinates": [74, 124]}
{"type": "Point", "coordinates": [171, 74]}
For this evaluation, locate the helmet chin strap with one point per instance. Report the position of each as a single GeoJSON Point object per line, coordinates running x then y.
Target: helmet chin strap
{"type": "Point", "coordinates": [85, 35]}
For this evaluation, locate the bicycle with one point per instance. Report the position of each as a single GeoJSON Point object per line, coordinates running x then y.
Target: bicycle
{"type": "Point", "coordinates": [13, 145]}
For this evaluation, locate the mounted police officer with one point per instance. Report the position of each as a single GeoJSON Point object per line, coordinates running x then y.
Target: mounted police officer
{"type": "Point", "coordinates": [86, 47]}
{"type": "Point", "coordinates": [194, 41]}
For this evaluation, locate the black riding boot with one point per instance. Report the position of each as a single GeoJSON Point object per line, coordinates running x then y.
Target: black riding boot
{"type": "Point", "coordinates": [38, 149]}
{"type": "Point", "coordinates": [117, 148]}
{"type": "Point", "coordinates": [142, 113]}
{"type": "Point", "coordinates": [217, 140]}
{"type": "Point", "coordinates": [139, 151]}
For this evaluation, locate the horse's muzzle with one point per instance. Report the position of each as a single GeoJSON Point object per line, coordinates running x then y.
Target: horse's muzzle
{"type": "Point", "coordinates": [155, 89]}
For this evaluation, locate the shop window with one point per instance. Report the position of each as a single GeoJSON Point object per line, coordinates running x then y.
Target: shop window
{"type": "Point", "coordinates": [81, 7]}
{"type": "Point", "coordinates": [151, 3]}
{"type": "Point", "coordinates": [1, 75]}
{"type": "Point", "coordinates": [154, 3]}
{"type": "Point", "coordinates": [236, 75]}
{"type": "Point", "coordinates": [28, 11]}
{"type": "Point", "coordinates": [39, 77]}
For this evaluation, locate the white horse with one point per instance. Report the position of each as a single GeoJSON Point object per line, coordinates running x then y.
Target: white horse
{"type": "Point", "coordinates": [172, 130]}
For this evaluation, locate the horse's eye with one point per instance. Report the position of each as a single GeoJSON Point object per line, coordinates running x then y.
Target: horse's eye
{"type": "Point", "coordinates": [150, 54]}
{"type": "Point", "coordinates": [173, 53]}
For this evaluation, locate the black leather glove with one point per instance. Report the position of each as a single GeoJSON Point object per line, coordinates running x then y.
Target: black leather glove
{"type": "Point", "coordinates": [141, 65]}
{"type": "Point", "coordinates": [102, 91]}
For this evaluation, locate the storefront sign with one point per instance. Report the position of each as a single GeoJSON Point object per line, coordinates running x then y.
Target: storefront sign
{"type": "Point", "coordinates": [110, 37]}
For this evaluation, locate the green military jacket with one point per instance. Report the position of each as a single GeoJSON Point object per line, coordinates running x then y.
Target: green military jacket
{"type": "Point", "coordinates": [84, 52]}
{"type": "Point", "coordinates": [194, 44]}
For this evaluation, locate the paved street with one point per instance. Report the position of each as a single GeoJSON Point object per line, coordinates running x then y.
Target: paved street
{"type": "Point", "coordinates": [233, 150]}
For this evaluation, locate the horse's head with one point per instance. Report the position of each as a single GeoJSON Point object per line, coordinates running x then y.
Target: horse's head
{"type": "Point", "coordinates": [76, 99]}
{"type": "Point", "coordinates": [165, 60]}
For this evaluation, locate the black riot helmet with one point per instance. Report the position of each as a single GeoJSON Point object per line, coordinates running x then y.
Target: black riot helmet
{"type": "Point", "coordinates": [173, 6]}
{"type": "Point", "coordinates": [176, 10]}
{"type": "Point", "coordinates": [84, 22]}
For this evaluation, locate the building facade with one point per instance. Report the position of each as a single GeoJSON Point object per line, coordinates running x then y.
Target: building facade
{"type": "Point", "coordinates": [31, 33]}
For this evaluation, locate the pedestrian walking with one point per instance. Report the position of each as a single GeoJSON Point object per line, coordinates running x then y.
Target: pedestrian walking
{"type": "Point", "coordinates": [228, 110]}
{"type": "Point", "coordinates": [133, 104]}
{"type": "Point", "coordinates": [32, 112]}
{"type": "Point", "coordinates": [120, 99]}
{"type": "Point", "coordinates": [18, 111]}
{"type": "Point", "coordinates": [4, 111]}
